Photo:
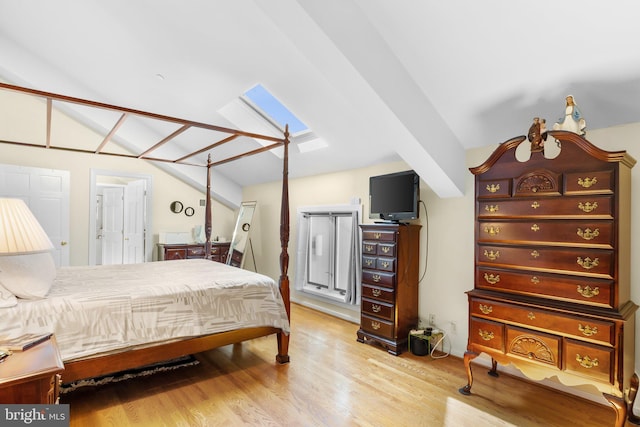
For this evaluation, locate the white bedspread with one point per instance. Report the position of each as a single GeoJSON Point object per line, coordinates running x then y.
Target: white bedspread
{"type": "Point", "coordinates": [101, 309]}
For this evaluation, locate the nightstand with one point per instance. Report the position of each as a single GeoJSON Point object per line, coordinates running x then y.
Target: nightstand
{"type": "Point", "coordinates": [32, 376]}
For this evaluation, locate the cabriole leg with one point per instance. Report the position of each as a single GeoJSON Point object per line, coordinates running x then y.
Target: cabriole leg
{"type": "Point", "coordinates": [468, 357]}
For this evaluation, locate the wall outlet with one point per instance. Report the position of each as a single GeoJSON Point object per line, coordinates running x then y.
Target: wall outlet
{"type": "Point", "coordinates": [432, 319]}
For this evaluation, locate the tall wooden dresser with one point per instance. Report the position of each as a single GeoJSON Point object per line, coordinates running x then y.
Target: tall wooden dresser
{"type": "Point", "coordinates": [552, 267]}
{"type": "Point", "coordinates": [389, 302]}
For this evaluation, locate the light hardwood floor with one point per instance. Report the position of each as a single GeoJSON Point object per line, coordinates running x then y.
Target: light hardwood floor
{"type": "Point", "coordinates": [332, 380]}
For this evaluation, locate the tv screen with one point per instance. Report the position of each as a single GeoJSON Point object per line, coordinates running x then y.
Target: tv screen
{"type": "Point", "coordinates": [395, 196]}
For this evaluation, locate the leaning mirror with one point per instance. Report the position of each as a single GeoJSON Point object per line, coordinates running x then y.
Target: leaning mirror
{"type": "Point", "coordinates": [240, 242]}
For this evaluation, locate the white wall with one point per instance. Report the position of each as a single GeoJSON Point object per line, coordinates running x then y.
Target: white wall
{"type": "Point", "coordinates": [450, 237]}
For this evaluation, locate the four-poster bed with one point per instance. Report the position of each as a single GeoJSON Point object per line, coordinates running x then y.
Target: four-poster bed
{"type": "Point", "coordinates": [88, 366]}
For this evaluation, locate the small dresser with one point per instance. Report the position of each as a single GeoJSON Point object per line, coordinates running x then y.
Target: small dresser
{"type": "Point", "coordinates": [219, 251]}
{"type": "Point", "coordinates": [552, 267]}
{"type": "Point", "coordinates": [389, 303]}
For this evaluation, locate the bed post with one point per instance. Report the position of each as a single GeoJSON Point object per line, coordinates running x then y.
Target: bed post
{"type": "Point", "coordinates": [283, 339]}
{"type": "Point", "coordinates": [207, 212]}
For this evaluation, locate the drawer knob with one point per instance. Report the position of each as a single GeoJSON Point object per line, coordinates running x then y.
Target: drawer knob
{"type": "Point", "coordinates": [376, 292]}
{"type": "Point", "coordinates": [492, 188]}
{"type": "Point", "coordinates": [491, 278]}
{"type": "Point", "coordinates": [586, 361]}
{"type": "Point", "coordinates": [486, 309]}
{"type": "Point", "coordinates": [486, 335]}
{"type": "Point", "coordinates": [535, 205]}
{"type": "Point", "coordinates": [376, 308]}
{"type": "Point", "coordinates": [587, 182]}
{"type": "Point", "coordinates": [531, 316]}
{"type": "Point", "coordinates": [535, 280]}
{"type": "Point", "coordinates": [492, 255]}
{"type": "Point", "coordinates": [588, 206]}
{"type": "Point", "coordinates": [535, 227]}
{"type": "Point", "coordinates": [492, 208]}
{"type": "Point", "coordinates": [493, 231]}
{"type": "Point", "coordinates": [588, 263]}
{"type": "Point", "coordinates": [535, 254]}
{"type": "Point", "coordinates": [376, 278]}
{"type": "Point", "coordinates": [587, 330]}
{"type": "Point", "coordinates": [375, 325]}
{"type": "Point", "coordinates": [587, 234]}
{"type": "Point", "coordinates": [587, 292]}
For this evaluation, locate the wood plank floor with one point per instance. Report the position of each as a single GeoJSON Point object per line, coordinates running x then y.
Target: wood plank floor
{"type": "Point", "coordinates": [332, 380]}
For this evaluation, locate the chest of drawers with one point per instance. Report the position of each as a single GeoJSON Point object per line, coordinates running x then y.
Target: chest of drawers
{"type": "Point", "coordinates": [552, 268]}
{"type": "Point", "coordinates": [389, 302]}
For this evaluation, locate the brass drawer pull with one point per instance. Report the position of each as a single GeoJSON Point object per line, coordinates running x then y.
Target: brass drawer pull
{"type": "Point", "coordinates": [531, 316]}
{"type": "Point", "coordinates": [386, 249]}
{"type": "Point", "coordinates": [376, 308]}
{"type": "Point", "coordinates": [368, 248]}
{"type": "Point", "coordinates": [587, 182]}
{"type": "Point", "coordinates": [493, 231]}
{"type": "Point", "coordinates": [588, 263]}
{"type": "Point", "coordinates": [486, 309]}
{"type": "Point", "coordinates": [386, 264]}
{"type": "Point", "coordinates": [535, 205]}
{"type": "Point", "coordinates": [376, 292]}
{"type": "Point", "coordinates": [535, 227]}
{"type": "Point", "coordinates": [587, 234]}
{"type": "Point", "coordinates": [588, 206]}
{"type": "Point", "coordinates": [535, 280]}
{"type": "Point", "coordinates": [492, 279]}
{"type": "Point", "coordinates": [587, 292]}
{"type": "Point", "coordinates": [493, 188]}
{"type": "Point", "coordinates": [535, 254]}
{"type": "Point", "coordinates": [369, 262]}
{"type": "Point", "coordinates": [586, 361]}
{"type": "Point", "coordinates": [587, 330]}
{"type": "Point", "coordinates": [376, 278]}
{"type": "Point", "coordinates": [492, 255]}
{"type": "Point", "coordinates": [377, 236]}
{"type": "Point", "coordinates": [491, 208]}
{"type": "Point", "coordinates": [375, 325]}
{"type": "Point", "coordinates": [485, 335]}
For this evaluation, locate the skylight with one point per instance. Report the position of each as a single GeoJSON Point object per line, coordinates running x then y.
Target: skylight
{"type": "Point", "coordinates": [273, 110]}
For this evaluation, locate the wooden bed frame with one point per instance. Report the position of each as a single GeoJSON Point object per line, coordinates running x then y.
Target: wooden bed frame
{"type": "Point", "coordinates": [127, 359]}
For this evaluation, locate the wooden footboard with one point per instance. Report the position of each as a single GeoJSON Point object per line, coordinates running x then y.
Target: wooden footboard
{"type": "Point", "coordinates": [103, 365]}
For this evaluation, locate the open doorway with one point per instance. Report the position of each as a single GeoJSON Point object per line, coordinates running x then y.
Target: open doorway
{"type": "Point", "coordinates": [120, 214]}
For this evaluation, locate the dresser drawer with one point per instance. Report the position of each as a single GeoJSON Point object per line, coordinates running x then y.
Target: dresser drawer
{"type": "Point", "coordinates": [369, 261]}
{"type": "Point", "coordinates": [377, 326]}
{"type": "Point", "coordinates": [589, 182]}
{"type": "Point", "coordinates": [195, 251]}
{"type": "Point", "coordinates": [584, 328]}
{"type": "Point", "coordinates": [589, 361]}
{"type": "Point", "coordinates": [548, 207]}
{"type": "Point", "coordinates": [378, 309]}
{"type": "Point", "coordinates": [171, 254]}
{"type": "Point", "coordinates": [494, 188]}
{"type": "Point", "coordinates": [486, 333]}
{"type": "Point", "coordinates": [379, 235]}
{"type": "Point", "coordinates": [582, 261]}
{"type": "Point", "coordinates": [386, 264]}
{"type": "Point", "coordinates": [534, 346]}
{"type": "Point", "coordinates": [591, 233]}
{"type": "Point", "coordinates": [379, 278]}
{"type": "Point", "coordinates": [380, 294]}
{"type": "Point", "coordinates": [595, 292]}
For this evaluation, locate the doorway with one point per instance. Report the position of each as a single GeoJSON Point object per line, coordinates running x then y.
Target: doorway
{"type": "Point", "coordinates": [120, 218]}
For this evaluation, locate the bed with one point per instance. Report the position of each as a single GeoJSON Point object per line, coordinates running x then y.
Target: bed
{"type": "Point", "coordinates": [139, 314]}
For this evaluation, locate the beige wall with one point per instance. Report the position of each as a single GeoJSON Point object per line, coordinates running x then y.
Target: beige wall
{"type": "Point", "coordinates": [449, 240]}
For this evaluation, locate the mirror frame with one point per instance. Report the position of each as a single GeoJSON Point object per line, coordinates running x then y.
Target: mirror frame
{"type": "Point", "coordinates": [242, 230]}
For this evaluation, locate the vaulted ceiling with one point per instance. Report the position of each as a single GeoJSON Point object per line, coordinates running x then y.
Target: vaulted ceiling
{"type": "Point", "coordinates": [376, 80]}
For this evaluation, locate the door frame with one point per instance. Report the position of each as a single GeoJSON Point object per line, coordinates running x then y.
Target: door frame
{"type": "Point", "coordinates": [93, 194]}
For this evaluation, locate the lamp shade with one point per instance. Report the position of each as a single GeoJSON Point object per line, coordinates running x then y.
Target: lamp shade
{"type": "Point", "coordinates": [20, 231]}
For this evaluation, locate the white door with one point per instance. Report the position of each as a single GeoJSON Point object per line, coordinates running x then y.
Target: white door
{"type": "Point", "coordinates": [112, 225]}
{"type": "Point", "coordinates": [134, 214]}
{"type": "Point", "coordinates": [46, 192]}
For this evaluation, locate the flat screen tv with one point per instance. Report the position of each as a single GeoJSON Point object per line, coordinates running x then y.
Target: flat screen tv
{"type": "Point", "coordinates": [394, 197]}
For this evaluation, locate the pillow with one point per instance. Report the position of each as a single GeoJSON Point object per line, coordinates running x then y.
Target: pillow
{"type": "Point", "coordinates": [28, 276]}
{"type": "Point", "coordinates": [7, 299]}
